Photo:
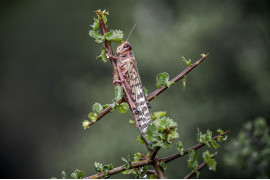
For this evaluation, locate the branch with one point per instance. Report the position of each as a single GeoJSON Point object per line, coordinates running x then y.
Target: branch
{"type": "Point", "coordinates": [177, 155]}
{"type": "Point", "coordinates": [120, 169]}
{"type": "Point", "coordinates": [154, 94]}
{"type": "Point", "coordinates": [104, 30]}
{"type": "Point", "coordinates": [200, 167]}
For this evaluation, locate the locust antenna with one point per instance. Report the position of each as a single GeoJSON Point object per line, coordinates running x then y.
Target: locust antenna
{"type": "Point", "coordinates": [131, 32]}
{"type": "Point", "coordinates": [125, 33]}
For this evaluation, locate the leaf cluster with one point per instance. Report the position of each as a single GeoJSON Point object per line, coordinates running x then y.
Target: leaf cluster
{"type": "Point", "coordinates": [162, 132]}
{"type": "Point", "coordinates": [97, 108]}
{"type": "Point", "coordinates": [139, 173]}
{"type": "Point", "coordinates": [77, 174]}
{"type": "Point", "coordinates": [103, 168]}
{"type": "Point", "coordinates": [112, 35]}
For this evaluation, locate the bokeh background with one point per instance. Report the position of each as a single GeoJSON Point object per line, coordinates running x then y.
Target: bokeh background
{"type": "Point", "coordinates": [50, 78]}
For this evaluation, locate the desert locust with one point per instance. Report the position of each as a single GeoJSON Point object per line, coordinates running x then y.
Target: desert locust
{"type": "Point", "coordinates": [130, 80]}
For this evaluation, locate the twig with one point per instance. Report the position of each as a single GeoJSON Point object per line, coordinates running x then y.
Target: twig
{"type": "Point", "coordinates": [177, 155]}
{"type": "Point", "coordinates": [159, 170]}
{"type": "Point", "coordinates": [200, 167]}
{"type": "Point", "coordinates": [120, 169]}
{"type": "Point", "coordinates": [154, 94]}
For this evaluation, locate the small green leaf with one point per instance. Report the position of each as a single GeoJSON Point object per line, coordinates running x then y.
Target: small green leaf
{"type": "Point", "coordinates": [103, 55]}
{"type": "Point", "coordinates": [98, 167]}
{"type": "Point", "coordinates": [118, 92]}
{"type": "Point", "coordinates": [158, 114]}
{"type": "Point", "coordinates": [85, 124]}
{"type": "Point", "coordinates": [193, 161]}
{"type": "Point", "coordinates": [127, 162]}
{"type": "Point", "coordinates": [137, 157]}
{"type": "Point", "coordinates": [145, 91]}
{"type": "Point", "coordinates": [64, 175]}
{"type": "Point", "coordinates": [140, 140]}
{"type": "Point", "coordinates": [114, 35]}
{"type": "Point", "coordinates": [180, 148]}
{"type": "Point", "coordinates": [162, 79]}
{"type": "Point", "coordinates": [215, 144]}
{"type": "Point", "coordinates": [184, 81]}
{"type": "Point", "coordinates": [220, 131]}
{"type": "Point", "coordinates": [203, 55]}
{"type": "Point", "coordinates": [93, 116]}
{"type": "Point", "coordinates": [97, 108]}
{"type": "Point", "coordinates": [187, 62]}
{"type": "Point", "coordinates": [95, 24]}
{"type": "Point", "coordinates": [170, 83]}
{"type": "Point", "coordinates": [209, 160]}
{"type": "Point", "coordinates": [123, 107]}
{"type": "Point", "coordinates": [104, 18]}
{"type": "Point", "coordinates": [152, 176]}
{"type": "Point", "coordinates": [77, 174]}
{"type": "Point", "coordinates": [163, 165]}
{"type": "Point", "coordinates": [105, 106]}
{"type": "Point", "coordinates": [131, 121]}
{"type": "Point", "coordinates": [98, 37]}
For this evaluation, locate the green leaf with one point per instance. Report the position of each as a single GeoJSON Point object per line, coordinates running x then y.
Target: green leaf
{"type": "Point", "coordinates": [127, 162]}
{"type": "Point", "coordinates": [95, 24]}
{"type": "Point", "coordinates": [163, 165]}
{"type": "Point", "coordinates": [118, 93]}
{"type": "Point", "coordinates": [85, 124]}
{"type": "Point", "coordinates": [203, 55]}
{"type": "Point", "coordinates": [137, 157]}
{"type": "Point", "coordinates": [98, 167]}
{"type": "Point", "coordinates": [123, 107]}
{"type": "Point", "coordinates": [180, 148]}
{"type": "Point", "coordinates": [97, 108]}
{"type": "Point", "coordinates": [158, 114]}
{"type": "Point", "coordinates": [209, 160]}
{"type": "Point", "coordinates": [105, 106]}
{"type": "Point", "coordinates": [145, 91]}
{"type": "Point", "coordinates": [140, 140]}
{"type": "Point", "coordinates": [103, 55]}
{"type": "Point", "coordinates": [162, 79]}
{"type": "Point", "coordinates": [131, 121]}
{"type": "Point", "coordinates": [220, 131]}
{"type": "Point", "coordinates": [114, 35]}
{"type": "Point", "coordinates": [170, 83]}
{"type": "Point", "coordinates": [152, 176]}
{"type": "Point", "coordinates": [184, 81]}
{"type": "Point", "coordinates": [215, 144]}
{"type": "Point", "coordinates": [187, 62]}
{"type": "Point", "coordinates": [93, 116]}
{"type": "Point", "coordinates": [104, 18]}
{"type": "Point", "coordinates": [193, 161]}
{"type": "Point", "coordinates": [64, 175]}
{"type": "Point", "coordinates": [77, 174]}
{"type": "Point", "coordinates": [98, 37]}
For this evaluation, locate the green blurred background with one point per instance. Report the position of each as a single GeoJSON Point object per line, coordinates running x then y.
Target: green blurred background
{"type": "Point", "coordinates": [50, 78]}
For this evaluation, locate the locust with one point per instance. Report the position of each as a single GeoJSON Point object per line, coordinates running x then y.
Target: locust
{"type": "Point", "coordinates": [131, 82]}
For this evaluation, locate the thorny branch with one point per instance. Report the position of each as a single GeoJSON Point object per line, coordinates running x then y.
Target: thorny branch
{"type": "Point", "coordinates": [154, 94]}
{"type": "Point", "coordinates": [152, 160]}
{"type": "Point", "coordinates": [200, 167]}
{"type": "Point", "coordinates": [177, 155]}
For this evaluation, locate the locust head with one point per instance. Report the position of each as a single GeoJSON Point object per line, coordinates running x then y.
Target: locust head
{"type": "Point", "coordinates": [124, 49]}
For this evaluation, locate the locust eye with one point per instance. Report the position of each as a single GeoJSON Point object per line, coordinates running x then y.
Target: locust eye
{"type": "Point", "coordinates": [126, 45]}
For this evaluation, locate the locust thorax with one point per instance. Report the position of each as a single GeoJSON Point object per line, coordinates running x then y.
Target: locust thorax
{"type": "Point", "coordinates": [124, 50]}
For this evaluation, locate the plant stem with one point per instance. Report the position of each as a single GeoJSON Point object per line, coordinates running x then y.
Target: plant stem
{"type": "Point", "coordinates": [154, 94]}
{"type": "Point", "coordinates": [200, 167]}
{"type": "Point", "coordinates": [177, 155]}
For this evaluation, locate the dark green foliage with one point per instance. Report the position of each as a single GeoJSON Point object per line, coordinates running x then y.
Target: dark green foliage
{"type": "Point", "coordinates": [250, 151]}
